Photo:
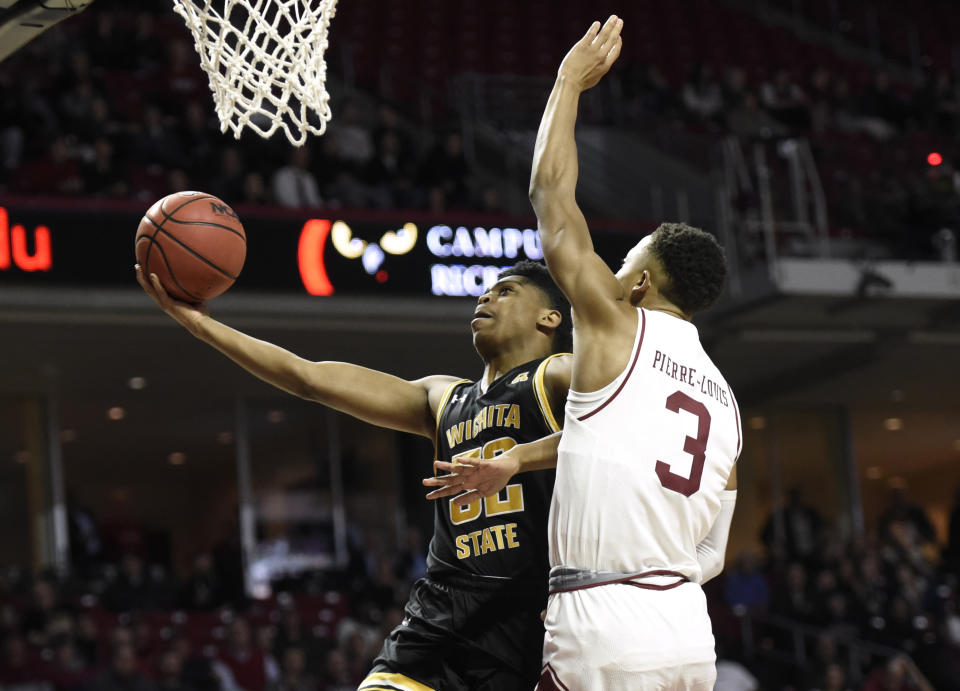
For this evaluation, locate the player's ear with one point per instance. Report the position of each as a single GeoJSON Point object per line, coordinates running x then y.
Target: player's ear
{"type": "Point", "coordinates": [640, 288]}
{"type": "Point", "coordinates": [550, 319]}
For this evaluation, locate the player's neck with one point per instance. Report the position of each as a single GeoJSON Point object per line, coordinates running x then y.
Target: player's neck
{"type": "Point", "coordinates": [501, 363]}
{"type": "Point", "coordinates": [658, 304]}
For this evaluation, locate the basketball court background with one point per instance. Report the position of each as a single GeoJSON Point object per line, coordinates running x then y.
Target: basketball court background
{"type": "Point", "coordinates": [839, 331]}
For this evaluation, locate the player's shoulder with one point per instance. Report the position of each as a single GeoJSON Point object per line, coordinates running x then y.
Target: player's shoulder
{"type": "Point", "coordinates": [438, 388]}
{"type": "Point", "coordinates": [557, 370]}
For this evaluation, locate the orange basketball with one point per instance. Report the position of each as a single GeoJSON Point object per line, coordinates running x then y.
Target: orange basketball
{"type": "Point", "coordinates": [194, 243]}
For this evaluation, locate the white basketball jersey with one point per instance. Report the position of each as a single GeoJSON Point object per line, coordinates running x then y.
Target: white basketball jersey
{"type": "Point", "coordinates": [642, 461]}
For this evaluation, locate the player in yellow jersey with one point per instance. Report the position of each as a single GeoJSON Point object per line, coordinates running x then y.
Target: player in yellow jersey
{"type": "Point", "coordinates": [474, 621]}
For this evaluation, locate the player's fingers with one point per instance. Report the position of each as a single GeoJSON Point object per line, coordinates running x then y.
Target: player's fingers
{"type": "Point", "coordinates": [609, 27]}
{"type": "Point", "coordinates": [614, 52]}
{"type": "Point", "coordinates": [444, 492]}
{"type": "Point", "coordinates": [467, 498]}
{"type": "Point", "coordinates": [439, 481]}
{"type": "Point", "coordinates": [158, 287]}
{"type": "Point", "coordinates": [444, 466]}
{"type": "Point", "coordinates": [140, 279]}
{"type": "Point", "coordinates": [591, 34]}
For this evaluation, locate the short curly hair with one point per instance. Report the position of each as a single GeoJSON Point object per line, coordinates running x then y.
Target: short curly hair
{"type": "Point", "coordinates": [695, 264]}
{"type": "Point", "coordinates": [537, 273]}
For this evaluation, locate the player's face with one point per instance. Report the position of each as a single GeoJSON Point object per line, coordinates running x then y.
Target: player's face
{"type": "Point", "coordinates": [634, 264]}
{"type": "Point", "coordinates": [509, 309]}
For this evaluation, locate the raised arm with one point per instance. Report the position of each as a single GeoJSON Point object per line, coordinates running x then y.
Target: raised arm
{"type": "Point", "coordinates": [378, 398]}
{"type": "Point", "coordinates": [583, 276]}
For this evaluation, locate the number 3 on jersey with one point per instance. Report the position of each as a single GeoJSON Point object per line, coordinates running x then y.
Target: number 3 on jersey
{"type": "Point", "coordinates": [494, 505]}
{"type": "Point", "coordinates": [695, 446]}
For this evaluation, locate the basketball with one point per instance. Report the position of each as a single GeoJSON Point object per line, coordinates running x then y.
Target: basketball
{"type": "Point", "coordinates": [194, 243]}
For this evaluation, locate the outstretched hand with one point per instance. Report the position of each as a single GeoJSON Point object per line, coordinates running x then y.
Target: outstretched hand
{"type": "Point", "coordinates": [472, 478]}
{"type": "Point", "coordinates": [186, 314]}
{"type": "Point", "coordinates": [592, 56]}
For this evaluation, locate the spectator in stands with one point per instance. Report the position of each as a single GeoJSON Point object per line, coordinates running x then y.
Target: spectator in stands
{"type": "Point", "coordinates": [132, 590]}
{"type": "Point", "coordinates": [197, 139]}
{"type": "Point", "coordinates": [41, 612]}
{"type": "Point", "coordinates": [879, 101]}
{"type": "Point", "coordinates": [820, 101]}
{"type": "Point", "coordinates": [241, 666]}
{"type": "Point", "coordinates": [794, 531]}
{"type": "Point", "coordinates": [733, 676]}
{"type": "Point", "coordinates": [255, 189]}
{"type": "Point", "coordinates": [746, 119]}
{"type": "Point", "coordinates": [899, 674]}
{"type": "Point", "coordinates": [184, 81]}
{"type": "Point", "coordinates": [154, 141]}
{"type": "Point", "coordinates": [647, 93]}
{"type": "Point", "coordinates": [940, 104]}
{"type": "Point", "coordinates": [701, 94]}
{"type": "Point", "coordinates": [87, 639]}
{"type": "Point", "coordinates": [490, 201]}
{"type": "Point", "coordinates": [122, 675]}
{"type": "Point", "coordinates": [101, 175]}
{"type": "Point", "coordinates": [785, 101]}
{"type": "Point", "coordinates": [144, 46]}
{"type": "Point", "coordinates": [67, 670]}
{"type": "Point", "coordinates": [389, 173]}
{"type": "Point", "coordinates": [17, 670]}
{"type": "Point", "coordinates": [745, 583]}
{"type": "Point", "coordinates": [196, 670]}
{"type": "Point", "coordinates": [792, 599]}
{"type": "Point", "coordinates": [170, 675]}
{"type": "Point", "coordinates": [832, 678]}
{"type": "Point", "coordinates": [951, 553]}
{"type": "Point", "coordinates": [354, 142]}
{"type": "Point", "coordinates": [228, 183]}
{"type": "Point", "coordinates": [201, 590]}
{"type": "Point", "coordinates": [86, 545]}
{"type": "Point", "coordinates": [336, 676]}
{"type": "Point", "coordinates": [445, 170]}
{"type": "Point", "coordinates": [294, 185]}
{"type": "Point", "coordinates": [388, 122]}
{"type": "Point", "coordinates": [293, 676]}
{"type": "Point", "coordinates": [55, 173]}
{"type": "Point", "coordinates": [902, 510]}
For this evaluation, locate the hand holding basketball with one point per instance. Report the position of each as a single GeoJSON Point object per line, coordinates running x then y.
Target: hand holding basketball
{"type": "Point", "coordinates": [194, 243]}
{"type": "Point", "coordinates": [186, 314]}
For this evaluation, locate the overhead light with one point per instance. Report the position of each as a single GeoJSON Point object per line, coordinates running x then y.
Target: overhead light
{"type": "Point", "coordinates": [757, 422]}
{"type": "Point", "coordinates": [116, 413]}
{"type": "Point", "coordinates": [136, 383]}
{"type": "Point", "coordinates": [177, 458]}
{"type": "Point", "coordinates": [897, 482]}
{"type": "Point", "coordinates": [874, 472]}
{"type": "Point", "coordinates": [893, 424]}
{"type": "Point", "coordinates": [225, 437]}
{"type": "Point", "coordinates": [68, 435]}
{"type": "Point", "coordinates": [276, 416]}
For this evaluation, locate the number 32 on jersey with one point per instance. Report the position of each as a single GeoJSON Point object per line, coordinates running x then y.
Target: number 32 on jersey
{"type": "Point", "coordinates": [495, 505]}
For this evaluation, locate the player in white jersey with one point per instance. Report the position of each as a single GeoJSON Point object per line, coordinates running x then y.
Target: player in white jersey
{"type": "Point", "coordinates": [645, 484]}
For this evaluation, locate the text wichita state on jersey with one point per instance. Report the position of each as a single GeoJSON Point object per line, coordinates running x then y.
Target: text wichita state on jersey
{"type": "Point", "coordinates": [503, 536]}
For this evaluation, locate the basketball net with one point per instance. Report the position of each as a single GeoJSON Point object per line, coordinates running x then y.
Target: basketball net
{"type": "Point", "coordinates": [265, 62]}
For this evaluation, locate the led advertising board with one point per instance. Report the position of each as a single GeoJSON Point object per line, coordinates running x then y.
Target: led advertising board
{"type": "Point", "coordinates": [322, 255]}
